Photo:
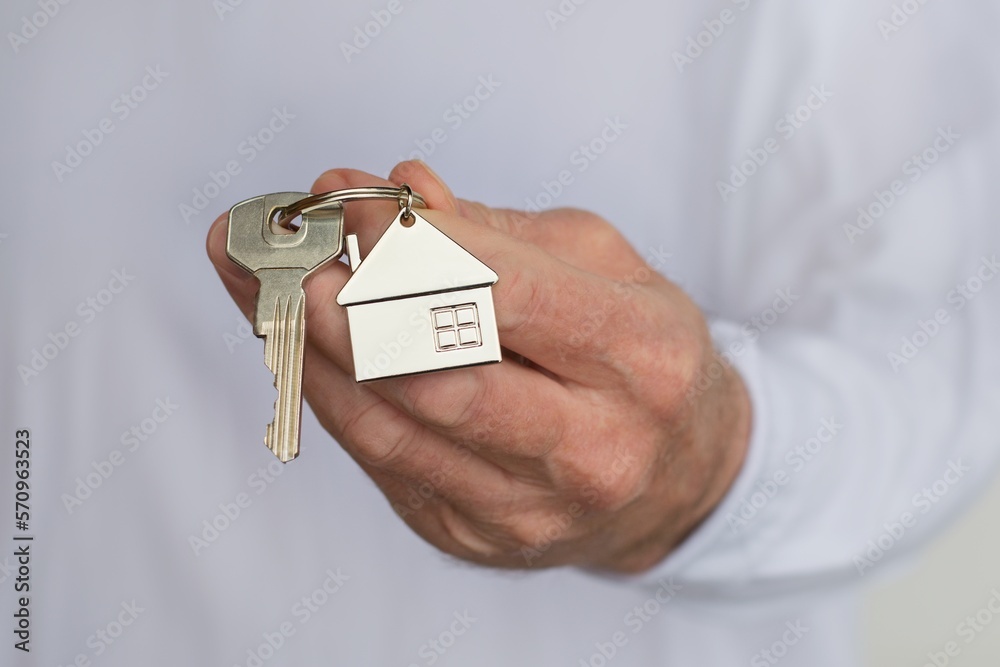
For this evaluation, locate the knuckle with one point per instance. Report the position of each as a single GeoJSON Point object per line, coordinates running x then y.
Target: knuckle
{"type": "Point", "coordinates": [504, 220]}
{"type": "Point", "coordinates": [577, 216]}
{"type": "Point", "coordinates": [524, 301]}
{"type": "Point", "coordinates": [584, 224]}
{"type": "Point", "coordinates": [678, 368]}
{"type": "Point", "coordinates": [331, 179]}
{"type": "Point", "coordinates": [588, 221]}
{"type": "Point", "coordinates": [498, 218]}
{"type": "Point", "coordinates": [511, 222]}
{"type": "Point", "coordinates": [668, 360]}
{"type": "Point", "coordinates": [512, 530]}
{"type": "Point", "coordinates": [609, 478]}
{"type": "Point", "coordinates": [472, 543]}
{"type": "Point", "coordinates": [356, 425]}
{"type": "Point", "coordinates": [604, 325]}
{"type": "Point", "coordinates": [454, 402]}
{"type": "Point", "coordinates": [621, 492]}
{"type": "Point", "coordinates": [505, 529]}
{"type": "Point", "coordinates": [534, 530]}
{"type": "Point", "coordinates": [688, 363]}
{"type": "Point", "coordinates": [334, 179]}
{"type": "Point", "coordinates": [382, 445]}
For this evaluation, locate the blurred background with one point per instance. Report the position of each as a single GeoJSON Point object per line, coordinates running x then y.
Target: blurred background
{"type": "Point", "coordinates": [213, 102]}
{"type": "Point", "coordinates": [917, 610]}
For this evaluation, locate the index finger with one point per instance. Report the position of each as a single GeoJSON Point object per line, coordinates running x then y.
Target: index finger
{"type": "Point", "coordinates": [561, 318]}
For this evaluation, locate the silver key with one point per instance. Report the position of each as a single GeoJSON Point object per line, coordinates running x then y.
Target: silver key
{"type": "Point", "coordinates": [281, 262]}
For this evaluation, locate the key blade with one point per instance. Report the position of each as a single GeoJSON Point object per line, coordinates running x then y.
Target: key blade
{"type": "Point", "coordinates": [283, 350]}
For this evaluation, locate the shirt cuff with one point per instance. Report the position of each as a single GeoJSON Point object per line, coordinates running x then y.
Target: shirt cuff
{"type": "Point", "coordinates": [714, 553]}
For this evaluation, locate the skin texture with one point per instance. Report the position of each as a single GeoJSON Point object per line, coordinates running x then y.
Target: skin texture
{"type": "Point", "coordinates": [587, 446]}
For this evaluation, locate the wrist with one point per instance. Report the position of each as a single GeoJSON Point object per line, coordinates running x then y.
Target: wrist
{"type": "Point", "coordinates": [702, 458]}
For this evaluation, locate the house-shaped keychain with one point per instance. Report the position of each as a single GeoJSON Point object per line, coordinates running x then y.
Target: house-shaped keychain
{"type": "Point", "coordinates": [419, 302]}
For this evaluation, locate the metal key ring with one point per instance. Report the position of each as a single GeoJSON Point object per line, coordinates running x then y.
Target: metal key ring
{"type": "Point", "coordinates": [406, 201]}
{"type": "Point", "coordinates": [399, 195]}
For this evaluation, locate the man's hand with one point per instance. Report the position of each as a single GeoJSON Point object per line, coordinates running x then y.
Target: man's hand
{"type": "Point", "coordinates": [585, 447]}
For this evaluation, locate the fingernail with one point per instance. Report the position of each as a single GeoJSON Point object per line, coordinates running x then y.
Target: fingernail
{"type": "Point", "coordinates": [449, 197]}
{"type": "Point", "coordinates": [434, 174]}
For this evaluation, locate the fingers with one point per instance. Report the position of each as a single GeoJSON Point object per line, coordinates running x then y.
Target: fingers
{"type": "Point", "coordinates": [386, 440]}
{"type": "Point", "coordinates": [554, 315]}
{"type": "Point", "coordinates": [507, 413]}
{"type": "Point", "coordinates": [242, 286]}
{"type": "Point", "coordinates": [370, 219]}
{"type": "Point", "coordinates": [577, 237]}
{"type": "Point", "coordinates": [558, 316]}
{"type": "Point", "coordinates": [506, 404]}
{"type": "Point", "coordinates": [424, 180]}
{"type": "Point", "coordinates": [563, 319]}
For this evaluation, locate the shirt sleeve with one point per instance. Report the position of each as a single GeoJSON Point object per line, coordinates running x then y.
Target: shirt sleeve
{"type": "Point", "coordinates": [874, 400]}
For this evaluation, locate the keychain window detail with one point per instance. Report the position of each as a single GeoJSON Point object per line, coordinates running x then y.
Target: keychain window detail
{"type": "Point", "coordinates": [456, 327]}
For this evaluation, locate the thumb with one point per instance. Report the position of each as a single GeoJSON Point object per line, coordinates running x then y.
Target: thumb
{"type": "Point", "coordinates": [439, 197]}
{"type": "Point", "coordinates": [242, 286]}
{"type": "Point", "coordinates": [577, 237]}
{"type": "Point", "coordinates": [427, 183]}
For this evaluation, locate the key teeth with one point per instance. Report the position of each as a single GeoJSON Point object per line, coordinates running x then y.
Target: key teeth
{"type": "Point", "coordinates": [283, 348]}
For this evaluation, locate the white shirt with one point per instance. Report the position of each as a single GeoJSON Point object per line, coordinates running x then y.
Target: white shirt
{"type": "Point", "coordinates": [176, 111]}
